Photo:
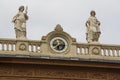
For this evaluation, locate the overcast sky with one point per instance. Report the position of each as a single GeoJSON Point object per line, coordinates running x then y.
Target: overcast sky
{"type": "Point", "coordinates": [44, 15]}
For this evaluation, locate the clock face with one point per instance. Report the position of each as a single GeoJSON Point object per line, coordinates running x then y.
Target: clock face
{"type": "Point", "coordinates": [58, 44]}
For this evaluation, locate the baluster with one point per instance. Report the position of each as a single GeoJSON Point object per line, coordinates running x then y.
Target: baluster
{"type": "Point", "coordinates": [85, 51]}
{"type": "Point", "coordinates": [0, 46]}
{"type": "Point", "coordinates": [12, 47]}
{"type": "Point", "coordinates": [108, 52]}
{"type": "Point", "coordinates": [113, 52]}
{"type": "Point", "coordinates": [104, 52]}
{"type": "Point", "coordinates": [3, 47]}
{"type": "Point", "coordinates": [118, 53]}
{"type": "Point", "coordinates": [80, 50]}
{"type": "Point", "coordinates": [7, 45]}
{"type": "Point", "coordinates": [36, 46]}
{"type": "Point", "coordinates": [31, 48]}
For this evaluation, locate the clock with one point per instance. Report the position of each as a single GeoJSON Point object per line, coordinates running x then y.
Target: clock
{"type": "Point", "coordinates": [58, 44]}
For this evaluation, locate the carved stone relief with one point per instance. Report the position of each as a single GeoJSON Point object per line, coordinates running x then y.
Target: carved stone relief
{"type": "Point", "coordinates": [98, 75]}
{"type": "Point", "coordinates": [114, 76]}
{"type": "Point", "coordinates": [22, 47]}
{"type": "Point", "coordinates": [95, 51]}
{"type": "Point", "coordinates": [5, 70]}
{"type": "Point", "coordinates": [36, 72]}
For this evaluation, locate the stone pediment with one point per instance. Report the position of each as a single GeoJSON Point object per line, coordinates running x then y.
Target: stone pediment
{"type": "Point", "coordinates": [58, 42]}
{"type": "Point", "coordinates": [58, 32]}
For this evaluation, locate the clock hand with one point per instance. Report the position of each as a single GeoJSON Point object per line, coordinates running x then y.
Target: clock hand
{"type": "Point", "coordinates": [58, 43]}
{"type": "Point", "coordinates": [55, 46]}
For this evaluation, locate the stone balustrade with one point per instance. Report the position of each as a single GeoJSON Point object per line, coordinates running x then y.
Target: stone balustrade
{"type": "Point", "coordinates": [98, 51]}
{"type": "Point", "coordinates": [105, 50]}
{"type": "Point", "coordinates": [83, 50]}
{"type": "Point", "coordinates": [34, 46]}
{"type": "Point", "coordinates": [110, 50]}
{"type": "Point", "coordinates": [7, 45]}
{"type": "Point", "coordinates": [15, 46]}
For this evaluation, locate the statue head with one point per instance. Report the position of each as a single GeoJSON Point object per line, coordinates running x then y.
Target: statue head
{"type": "Point", "coordinates": [21, 8]}
{"type": "Point", "coordinates": [92, 13]}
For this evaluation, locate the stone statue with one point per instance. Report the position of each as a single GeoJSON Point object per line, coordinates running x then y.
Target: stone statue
{"type": "Point", "coordinates": [19, 21]}
{"type": "Point", "coordinates": [93, 29]}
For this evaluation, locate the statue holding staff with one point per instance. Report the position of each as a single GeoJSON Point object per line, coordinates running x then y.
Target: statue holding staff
{"type": "Point", "coordinates": [19, 21]}
{"type": "Point", "coordinates": [93, 29]}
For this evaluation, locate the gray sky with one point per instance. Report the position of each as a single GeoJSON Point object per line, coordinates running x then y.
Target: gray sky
{"type": "Point", "coordinates": [44, 15]}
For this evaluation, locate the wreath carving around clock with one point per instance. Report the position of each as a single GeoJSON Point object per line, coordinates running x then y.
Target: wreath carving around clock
{"type": "Point", "coordinates": [58, 44]}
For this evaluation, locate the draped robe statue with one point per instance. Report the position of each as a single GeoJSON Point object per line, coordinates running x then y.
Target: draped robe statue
{"type": "Point", "coordinates": [93, 29]}
{"type": "Point", "coordinates": [19, 21]}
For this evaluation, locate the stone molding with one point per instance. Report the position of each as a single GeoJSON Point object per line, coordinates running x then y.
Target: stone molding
{"type": "Point", "coordinates": [30, 71]}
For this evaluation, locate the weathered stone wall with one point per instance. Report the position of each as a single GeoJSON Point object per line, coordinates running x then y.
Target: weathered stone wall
{"type": "Point", "coordinates": [31, 71]}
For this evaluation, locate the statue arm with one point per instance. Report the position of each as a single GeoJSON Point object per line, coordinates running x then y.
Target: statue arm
{"type": "Point", "coordinates": [98, 22]}
{"type": "Point", "coordinates": [15, 17]}
{"type": "Point", "coordinates": [88, 22]}
{"type": "Point", "coordinates": [98, 27]}
{"type": "Point", "coordinates": [26, 10]}
{"type": "Point", "coordinates": [87, 26]}
{"type": "Point", "coordinates": [25, 14]}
